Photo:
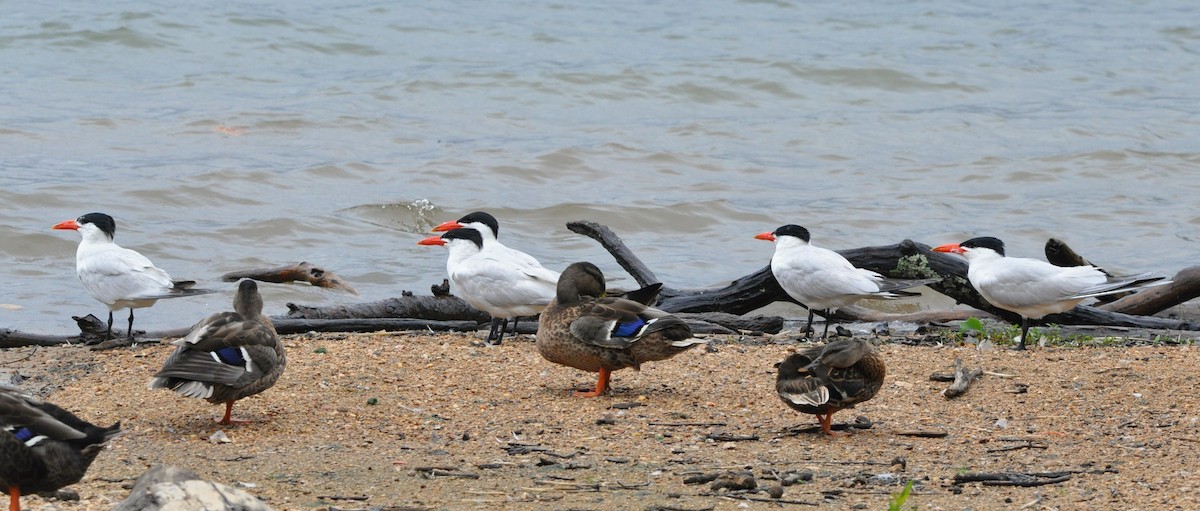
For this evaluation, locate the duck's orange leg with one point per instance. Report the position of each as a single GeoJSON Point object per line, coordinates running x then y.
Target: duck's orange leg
{"type": "Point", "coordinates": [14, 498]}
{"type": "Point", "coordinates": [601, 385]}
{"type": "Point", "coordinates": [827, 423]}
{"type": "Point", "coordinates": [228, 419]}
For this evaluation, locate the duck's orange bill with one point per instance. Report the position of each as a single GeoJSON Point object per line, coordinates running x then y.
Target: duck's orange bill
{"type": "Point", "coordinates": [769, 236]}
{"type": "Point", "coordinates": [447, 226]}
{"type": "Point", "coordinates": [432, 240]}
{"type": "Point", "coordinates": [951, 248]}
{"type": "Point", "coordinates": [68, 225]}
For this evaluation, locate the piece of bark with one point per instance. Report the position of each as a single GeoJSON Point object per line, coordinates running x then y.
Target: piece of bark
{"type": "Point", "coordinates": [444, 308]}
{"type": "Point", "coordinates": [922, 433]}
{"type": "Point", "coordinates": [17, 339]}
{"type": "Point", "coordinates": [1059, 254]}
{"type": "Point", "coordinates": [734, 323]}
{"type": "Point", "coordinates": [613, 244]}
{"type": "Point", "coordinates": [299, 272]}
{"type": "Point", "coordinates": [1013, 478]}
{"type": "Point", "coordinates": [1184, 286]}
{"type": "Point", "coordinates": [301, 325]}
{"type": "Point", "coordinates": [962, 380]}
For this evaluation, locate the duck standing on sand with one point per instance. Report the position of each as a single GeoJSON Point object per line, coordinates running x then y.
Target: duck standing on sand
{"type": "Point", "coordinates": [582, 328]}
{"type": "Point", "coordinates": [824, 379]}
{"type": "Point", "coordinates": [119, 277]}
{"type": "Point", "coordinates": [43, 447]}
{"type": "Point", "coordinates": [227, 356]}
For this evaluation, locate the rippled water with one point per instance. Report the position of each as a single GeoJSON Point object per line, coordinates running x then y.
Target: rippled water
{"type": "Point", "coordinates": [223, 138]}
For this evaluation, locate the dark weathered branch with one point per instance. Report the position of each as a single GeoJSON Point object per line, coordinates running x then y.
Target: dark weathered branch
{"type": "Point", "coordinates": [962, 380]}
{"type": "Point", "coordinates": [1184, 286]}
{"type": "Point", "coordinates": [613, 244]}
{"type": "Point", "coordinates": [439, 308]}
{"type": "Point", "coordinates": [1013, 478]}
{"type": "Point", "coordinates": [17, 339]}
{"type": "Point", "coordinates": [907, 259]}
{"type": "Point", "coordinates": [299, 272]}
{"type": "Point", "coordinates": [297, 326]}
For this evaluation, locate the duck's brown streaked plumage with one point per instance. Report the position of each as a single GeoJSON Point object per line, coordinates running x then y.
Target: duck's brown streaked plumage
{"type": "Point", "coordinates": [824, 379]}
{"type": "Point", "coordinates": [227, 356]}
{"type": "Point", "coordinates": [582, 328]}
{"type": "Point", "coordinates": [43, 447]}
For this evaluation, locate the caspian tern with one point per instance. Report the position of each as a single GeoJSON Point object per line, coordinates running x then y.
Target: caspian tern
{"type": "Point", "coordinates": [492, 280]}
{"type": "Point", "coordinates": [118, 277]}
{"type": "Point", "coordinates": [1034, 288]}
{"type": "Point", "coordinates": [489, 229]}
{"type": "Point", "coordinates": [226, 356]}
{"type": "Point", "coordinates": [822, 279]}
{"type": "Point", "coordinates": [582, 328]}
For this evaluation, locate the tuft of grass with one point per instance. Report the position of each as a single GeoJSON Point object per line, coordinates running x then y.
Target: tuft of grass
{"type": "Point", "coordinates": [896, 502]}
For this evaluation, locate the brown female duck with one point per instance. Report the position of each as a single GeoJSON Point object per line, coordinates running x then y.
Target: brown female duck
{"type": "Point", "coordinates": [582, 328]}
{"type": "Point", "coordinates": [43, 447]}
{"type": "Point", "coordinates": [227, 356]}
{"type": "Point", "coordinates": [824, 379]}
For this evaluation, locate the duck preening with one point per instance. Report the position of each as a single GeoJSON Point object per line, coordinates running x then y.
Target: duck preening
{"type": "Point", "coordinates": [824, 379]}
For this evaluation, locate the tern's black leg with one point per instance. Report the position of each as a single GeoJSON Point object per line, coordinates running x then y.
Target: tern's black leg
{"type": "Point", "coordinates": [501, 326]}
{"type": "Point", "coordinates": [131, 323]}
{"type": "Point", "coordinates": [497, 331]}
{"type": "Point", "coordinates": [825, 334]}
{"type": "Point", "coordinates": [808, 329]}
{"type": "Point", "coordinates": [1024, 333]}
{"type": "Point", "coordinates": [108, 333]}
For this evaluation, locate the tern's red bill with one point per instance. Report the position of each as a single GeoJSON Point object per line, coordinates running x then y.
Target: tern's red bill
{"type": "Point", "coordinates": [432, 240]}
{"type": "Point", "coordinates": [952, 248]}
{"type": "Point", "coordinates": [447, 226]}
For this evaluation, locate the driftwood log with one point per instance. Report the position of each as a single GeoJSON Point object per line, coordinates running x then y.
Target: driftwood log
{"type": "Point", "coordinates": [962, 380]}
{"type": "Point", "coordinates": [299, 272]}
{"type": "Point", "coordinates": [907, 259]}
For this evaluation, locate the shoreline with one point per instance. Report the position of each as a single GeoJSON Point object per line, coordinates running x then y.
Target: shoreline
{"type": "Point", "coordinates": [502, 418]}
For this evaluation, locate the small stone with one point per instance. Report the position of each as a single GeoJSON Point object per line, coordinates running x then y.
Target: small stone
{"type": "Point", "coordinates": [219, 438]}
{"type": "Point", "coordinates": [775, 491]}
{"type": "Point", "coordinates": [734, 481]}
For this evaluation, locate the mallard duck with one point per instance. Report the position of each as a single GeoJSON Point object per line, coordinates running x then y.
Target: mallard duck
{"type": "Point", "coordinates": [227, 356]}
{"type": "Point", "coordinates": [119, 277]}
{"type": "Point", "coordinates": [824, 379]}
{"type": "Point", "coordinates": [1034, 288]}
{"type": "Point", "coordinates": [43, 447]}
{"type": "Point", "coordinates": [581, 328]}
{"type": "Point", "coordinates": [493, 281]}
{"type": "Point", "coordinates": [822, 279]}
